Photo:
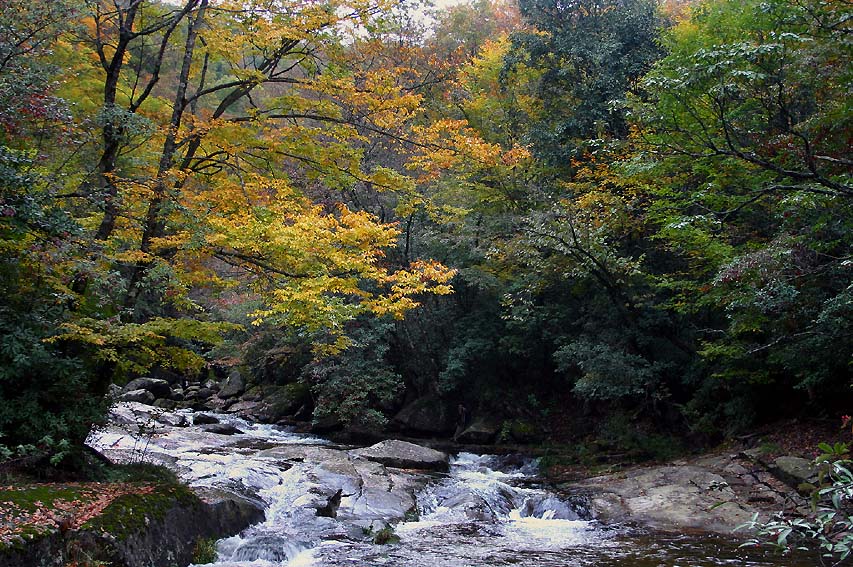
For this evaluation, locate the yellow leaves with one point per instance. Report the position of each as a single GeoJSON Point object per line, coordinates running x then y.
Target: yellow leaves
{"type": "Point", "coordinates": [130, 257]}
{"type": "Point", "coordinates": [452, 144]}
{"type": "Point", "coordinates": [423, 276]}
{"type": "Point", "coordinates": [136, 347]}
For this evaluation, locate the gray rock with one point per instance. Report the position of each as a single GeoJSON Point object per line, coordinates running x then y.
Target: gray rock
{"type": "Point", "coordinates": [204, 419]}
{"type": "Point", "coordinates": [165, 404]}
{"type": "Point", "coordinates": [794, 470]}
{"type": "Point", "coordinates": [244, 408]}
{"type": "Point", "coordinates": [233, 386]}
{"type": "Point", "coordinates": [479, 432]}
{"type": "Point", "coordinates": [404, 455]}
{"type": "Point", "coordinates": [160, 388]}
{"type": "Point", "coordinates": [204, 393]}
{"type": "Point", "coordinates": [140, 396]}
{"type": "Point", "coordinates": [326, 424]}
{"type": "Point", "coordinates": [668, 497]}
{"type": "Point", "coordinates": [166, 538]}
{"type": "Point", "coordinates": [253, 394]}
{"type": "Point", "coordinates": [114, 391]}
{"type": "Point", "coordinates": [221, 428]}
{"type": "Point", "coordinates": [430, 415]}
{"type": "Point", "coordinates": [285, 401]}
{"type": "Point", "coordinates": [131, 413]}
{"type": "Point", "coordinates": [173, 419]}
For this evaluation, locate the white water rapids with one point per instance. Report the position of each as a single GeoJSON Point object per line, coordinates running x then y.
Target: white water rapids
{"type": "Point", "coordinates": [325, 504]}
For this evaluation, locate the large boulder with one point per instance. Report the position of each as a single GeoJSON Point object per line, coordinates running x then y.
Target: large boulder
{"type": "Point", "coordinates": [794, 471]}
{"type": "Point", "coordinates": [404, 455]}
{"type": "Point", "coordinates": [204, 419]}
{"type": "Point", "coordinates": [160, 388]}
{"type": "Point", "coordinates": [480, 432]}
{"type": "Point", "coordinates": [427, 416]}
{"type": "Point", "coordinates": [221, 428]}
{"type": "Point", "coordinates": [160, 528]}
{"type": "Point", "coordinates": [139, 396]}
{"type": "Point", "coordinates": [233, 386]}
{"type": "Point", "coordinates": [284, 401]}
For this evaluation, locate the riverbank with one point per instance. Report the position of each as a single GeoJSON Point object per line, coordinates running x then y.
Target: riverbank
{"type": "Point", "coordinates": [144, 517]}
{"type": "Point", "coordinates": [295, 491]}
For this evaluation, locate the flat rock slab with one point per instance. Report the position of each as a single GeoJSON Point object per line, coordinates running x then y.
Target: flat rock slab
{"type": "Point", "coordinates": [669, 498]}
{"type": "Point", "coordinates": [404, 455]}
{"type": "Point", "coordinates": [714, 494]}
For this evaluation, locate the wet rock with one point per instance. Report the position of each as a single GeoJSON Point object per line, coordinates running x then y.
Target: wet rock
{"type": "Point", "coordinates": [480, 432]}
{"type": "Point", "coordinates": [139, 396]}
{"type": "Point", "coordinates": [163, 536]}
{"type": "Point", "coordinates": [160, 388]}
{"type": "Point", "coordinates": [221, 428]}
{"type": "Point", "coordinates": [173, 378]}
{"type": "Point", "coordinates": [233, 386]}
{"type": "Point", "coordinates": [204, 419]}
{"type": "Point", "coordinates": [131, 413]}
{"type": "Point", "coordinates": [404, 455]}
{"type": "Point", "coordinates": [173, 419]}
{"type": "Point", "coordinates": [430, 416]}
{"type": "Point", "coordinates": [247, 409]}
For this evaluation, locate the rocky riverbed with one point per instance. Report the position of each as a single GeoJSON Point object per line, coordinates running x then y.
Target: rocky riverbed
{"type": "Point", "coordinates": [397, 503]}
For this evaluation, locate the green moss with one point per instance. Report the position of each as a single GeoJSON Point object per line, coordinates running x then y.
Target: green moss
{"type": "Point", "coordinates": [131, 513]}
{"type": "Point", "coordinates": [385, 536]}
{"type": "Point", "coordinates": [26, 497]}
{"type": "Point", "coordinates": [204, 551]}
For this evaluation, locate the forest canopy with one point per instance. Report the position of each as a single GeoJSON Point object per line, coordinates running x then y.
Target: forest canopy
{"type": "Point", "coordinates": [626, 210]}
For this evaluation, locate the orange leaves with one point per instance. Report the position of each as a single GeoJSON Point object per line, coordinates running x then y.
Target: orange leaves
{"type": "Point", "coordinates": [40, 509]}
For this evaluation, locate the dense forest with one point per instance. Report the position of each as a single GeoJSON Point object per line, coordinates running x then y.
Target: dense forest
{"type": "Point", "coordinates": [628, 219]}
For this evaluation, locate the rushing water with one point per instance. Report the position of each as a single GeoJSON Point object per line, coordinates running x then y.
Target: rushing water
{"type": "Point", "coordinates": [324, 506]}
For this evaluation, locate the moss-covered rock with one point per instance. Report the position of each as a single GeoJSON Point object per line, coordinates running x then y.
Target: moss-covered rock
{"type": "Point", "coordinates": [155, 524]}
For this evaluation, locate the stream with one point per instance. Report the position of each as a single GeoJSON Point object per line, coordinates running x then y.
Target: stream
{"type": "Point", "coordinates": [326, 505]}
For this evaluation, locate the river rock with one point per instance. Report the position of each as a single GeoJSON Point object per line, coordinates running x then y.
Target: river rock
{"type": "Point", "coordinates": [160, 388]}
{"type": "Point", "coordinates": [430, 416]}
{"type": "Point", "coordinates": [243, 408]}
{"type": "Point", "coordinates": [164, 535]}
{"type": "Point", "coordinates": [130, 413]}
{"type": "Point", "coordinates": [204, 419]}
{"type": "Point", "coordinates": [114, 391]}
{"type": "Point", "coordinates": [794, 470]}
{"type": "Point", "coordinates": [221, 428]}
{"type": "Point", "coordinates": [172, 419]}
{"type": "Point", "coordinates": [404, 455]}
{"type": "Point", "coordinates": [139, 396]}
{"type": "Point", "coordinates": [284, 401]}
{"type": "Point", "coordinates": [677, 497]}
{"type": "Point", "coordinates": [233, 386]}
{"type": "Point", "coordinates": [326, 424]}
{"type": "Point", "coordinates": [478, 433]}
{"type": "Point", "coordinates": [203, 393]}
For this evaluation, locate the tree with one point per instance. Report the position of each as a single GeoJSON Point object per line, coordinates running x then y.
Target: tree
{"type": "Point", "coordinates": [592, 52]}
{"type": "Point", "coordinates": [746, 130]}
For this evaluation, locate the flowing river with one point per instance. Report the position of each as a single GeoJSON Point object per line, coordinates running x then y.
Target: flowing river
{"type": "Point", "coordinates": [325, 505]}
